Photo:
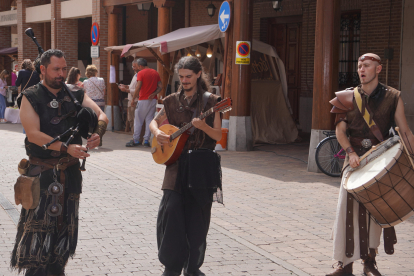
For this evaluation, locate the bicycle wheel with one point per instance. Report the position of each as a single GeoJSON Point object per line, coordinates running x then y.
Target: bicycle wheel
{"type": "Point", "coordinates": [329, 156]}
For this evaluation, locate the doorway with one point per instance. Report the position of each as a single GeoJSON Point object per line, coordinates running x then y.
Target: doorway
{"type": "Point", "coordinates": [284, 33]}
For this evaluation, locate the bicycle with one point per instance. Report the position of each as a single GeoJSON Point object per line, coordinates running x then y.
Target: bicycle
{"type": "Point", "coordinates": [329, 155]}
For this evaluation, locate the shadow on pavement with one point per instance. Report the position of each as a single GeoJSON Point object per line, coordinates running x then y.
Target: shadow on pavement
{"type": "Point", "coordinates": [287, 162]}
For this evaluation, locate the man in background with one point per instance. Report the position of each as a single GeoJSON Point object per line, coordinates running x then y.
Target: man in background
{"type": "Point", "coordinates": [131, 89]}
{"type": "Point", "coordinates": [148, 86]}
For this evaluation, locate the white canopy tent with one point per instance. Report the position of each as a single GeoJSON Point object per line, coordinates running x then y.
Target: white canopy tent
{"type": "Point", "coordinates": [187, 37]}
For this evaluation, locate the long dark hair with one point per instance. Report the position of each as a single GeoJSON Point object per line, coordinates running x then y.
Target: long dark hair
{"type": "Point", "coordinates": [73, 75]}
{"type": "Point", "coordinates": [193, 64]}
{"type": "Point", "coordinates": [203, 85]}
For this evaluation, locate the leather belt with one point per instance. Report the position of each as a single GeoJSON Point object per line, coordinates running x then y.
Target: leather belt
{"type": "Point", "coordinates": [61, 164]}
{"type": "Point", "coordinates": [364, 142]}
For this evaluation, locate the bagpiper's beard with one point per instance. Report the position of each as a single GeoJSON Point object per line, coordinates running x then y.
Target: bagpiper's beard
{"type": "Point", "coordinates": [55, 83]}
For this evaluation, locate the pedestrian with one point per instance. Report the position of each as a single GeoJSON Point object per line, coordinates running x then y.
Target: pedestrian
{"type": "Point", "coordinates": [184, 213]}
{"type": "Point", "coordinates": [385, 108]}
{"type": "Point", "coordinates": [95, 86]}
{"type": "Point", "coordinates": [73, 79]}
{"type": "Point", "coordinates": [148, 86]}
{"type": "Point", "coordinates": [27, 76]}
{"type": "Point", "coordinates": [47, 232]}
{"type": "Point", "coordinates": [131, 89]}
{"type": "Point", "coordinates": [3, 86]}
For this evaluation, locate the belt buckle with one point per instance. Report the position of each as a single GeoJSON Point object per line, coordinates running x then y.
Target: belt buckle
{"type": "Point", "coordinates": [366, 143]}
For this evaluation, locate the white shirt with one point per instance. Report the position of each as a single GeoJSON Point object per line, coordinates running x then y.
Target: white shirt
{"type": "Point", "coordinates": [132, 87]}
{"type": "Point", "coordinates": [95, 89]}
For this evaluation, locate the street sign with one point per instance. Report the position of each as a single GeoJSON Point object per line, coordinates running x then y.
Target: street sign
{"type": "Point", "coordinates": [94, 51]}
{"type": "Point", "coordinates": [243, 52]}
{"type": "Point", "coordinates": [95, 34]}
{"type": "Point", "coordinates": [224, 16]}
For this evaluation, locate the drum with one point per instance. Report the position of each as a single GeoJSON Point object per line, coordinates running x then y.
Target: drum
{"type": "Point", "coordinates": [385, 186]}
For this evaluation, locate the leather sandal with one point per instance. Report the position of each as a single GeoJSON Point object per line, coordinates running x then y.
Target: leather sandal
{"type": "Point", "coordinates": [370, 267]}
{"type": "Point", "coordinates": [341, 270]}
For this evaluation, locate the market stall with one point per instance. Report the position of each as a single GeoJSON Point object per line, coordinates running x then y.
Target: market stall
{"type": "Point", "coordinates": [271, 114]}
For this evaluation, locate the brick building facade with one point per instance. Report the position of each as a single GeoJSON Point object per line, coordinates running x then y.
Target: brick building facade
{"type": "Point", "coordinates": [379, 28]}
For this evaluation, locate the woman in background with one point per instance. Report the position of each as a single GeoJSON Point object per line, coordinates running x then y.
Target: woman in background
{"type": "Point", "coordinates": [27, 76]}
{"type": "Point", "coordinates": [95, 86]}
{"type": "Point", "coordinates": [73, 79]}
{"type": "Point", "coordinates": [3, 86]}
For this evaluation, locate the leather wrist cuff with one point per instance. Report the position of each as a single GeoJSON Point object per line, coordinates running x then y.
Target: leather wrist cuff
{"type": "Point", "coordinates": [350, 150]}
{"type": "Point", "coordinates": [101, 128]}
{"type": "Point", "coordinates": [63, 148]}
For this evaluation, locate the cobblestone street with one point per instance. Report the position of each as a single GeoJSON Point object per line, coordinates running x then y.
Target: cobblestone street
{"type": "Point", "coordinates": [277, 217]}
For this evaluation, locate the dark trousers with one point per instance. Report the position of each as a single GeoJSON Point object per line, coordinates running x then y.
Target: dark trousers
{"type": "Point", "coordinates": [182, 228]}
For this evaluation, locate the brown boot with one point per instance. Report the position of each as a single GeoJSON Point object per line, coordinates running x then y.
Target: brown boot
{"type": "Point", "coordinates": [341, 270]}
{"type": "Point", "coordinates": [370, 267]}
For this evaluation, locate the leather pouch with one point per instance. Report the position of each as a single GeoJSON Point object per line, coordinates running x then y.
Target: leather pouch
{"type": "Point", "coordinates": [27, 191]}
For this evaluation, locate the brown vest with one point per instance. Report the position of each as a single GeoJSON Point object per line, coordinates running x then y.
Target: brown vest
{"type": "Point", "coordinates": [179, 113]}
{"type": "Point", "coordinates": [382, 103]}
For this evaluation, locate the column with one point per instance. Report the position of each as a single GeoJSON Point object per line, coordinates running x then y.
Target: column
{"type": "Point", "coordinates": [26, 49]}
{"type": "Point", "coordinates": [163, 28]}
{"type": "Point", "coordinates": [100, 16]}
{"type": "Point", "coordinates": [240, 130]}
{"type": "Point", "coordinates": [112, 100]}
{"type": "Point", "coordinates": [5, 39]}
{"type": "Point", "coordinates": [325, 72]}
{"type": "Point", "coordinates": [64, 34]}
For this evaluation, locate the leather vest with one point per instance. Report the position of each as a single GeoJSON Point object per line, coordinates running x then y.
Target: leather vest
{"type": "Point", "coordinates": [382, 103]}
{"type": "Point", "coordinates": [179, 113]}
{"type": "Point", "coordinates": [54, 120]}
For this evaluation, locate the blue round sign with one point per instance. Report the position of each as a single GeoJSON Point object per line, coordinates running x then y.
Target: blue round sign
{"type": "Point", "coordinates": [224, 16]}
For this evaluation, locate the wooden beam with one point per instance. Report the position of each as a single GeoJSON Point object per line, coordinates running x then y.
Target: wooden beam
{"type": "Point", "coordinates": [113, 10]}
{"type": "Point", "coordinates": [107, 3]}
{"type": "Point", "coordinates": [190, 51]}
{"type": "Point", "coordinates": [160, 61]}
{"type": "Point", "coordinates": [163, 3]}
{"type": "Point", "coordinates": [173, 60]}
{"type": "Point", "coordinates": [213, 58]}
{"type": "Point", "coordinates": [326, 63]}
{"type": "Point", "coordinates": [220, 45]}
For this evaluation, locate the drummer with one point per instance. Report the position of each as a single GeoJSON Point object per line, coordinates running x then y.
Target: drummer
{"type": "Point", "coordinates": [383, 108]}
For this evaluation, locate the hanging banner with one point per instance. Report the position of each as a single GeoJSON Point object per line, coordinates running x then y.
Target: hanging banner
{"type": "Point", "coordinates": [243, 52]}
{"type": "Point", "coordinates": [112, 74]}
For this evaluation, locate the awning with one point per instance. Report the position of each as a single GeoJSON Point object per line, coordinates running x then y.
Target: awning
{"type": "Point", "coordinates": [176, 40]}
{"type": "Point", "coordinates": [8, 51]}
{"type": "Point", "coordinates": [187, 37]}
{"type": "Point", "coordinates": [281, 128]}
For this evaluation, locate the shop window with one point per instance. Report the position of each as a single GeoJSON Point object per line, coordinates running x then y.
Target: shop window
{"type": "Point", "coordinates": [349, 49]}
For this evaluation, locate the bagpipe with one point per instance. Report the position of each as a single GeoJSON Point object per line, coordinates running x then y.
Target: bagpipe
{"type": "Point", "coordinates": [86, 119]}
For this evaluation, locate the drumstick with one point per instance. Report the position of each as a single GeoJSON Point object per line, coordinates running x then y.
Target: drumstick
{"type": "Point", "coordinates": [367, 153]}
{"type": "Point", "coordinates": [406, 150]}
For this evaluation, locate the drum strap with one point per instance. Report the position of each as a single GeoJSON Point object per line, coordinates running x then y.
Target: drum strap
{"type": "Point", "coordinates": [366, 114]}
{"type": "Point", "coordinates": [363, 231]}
{"type": "Point", "coordinates": [390, 238]}
{"type": "Point", "coordinates": [349, 249]}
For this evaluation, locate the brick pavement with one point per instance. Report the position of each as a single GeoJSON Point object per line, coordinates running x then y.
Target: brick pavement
{"type": "Point", "coordinates": [276, 220]}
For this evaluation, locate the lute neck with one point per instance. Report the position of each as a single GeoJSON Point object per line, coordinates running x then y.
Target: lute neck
{"type": "Point", "coordinates": [190, 124]}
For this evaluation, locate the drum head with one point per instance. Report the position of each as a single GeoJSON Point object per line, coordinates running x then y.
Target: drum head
{"type": "Point", "coordinates": [364, 177]}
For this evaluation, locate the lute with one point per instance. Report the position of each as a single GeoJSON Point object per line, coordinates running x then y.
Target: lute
{"type": "Point", "coordinates": [169, 153]}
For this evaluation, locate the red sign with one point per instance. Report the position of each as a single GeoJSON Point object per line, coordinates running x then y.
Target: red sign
{"type": "Point", "coordinates": [243, 49]}
{"type": "Point", "coordinates": [95, 34]}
